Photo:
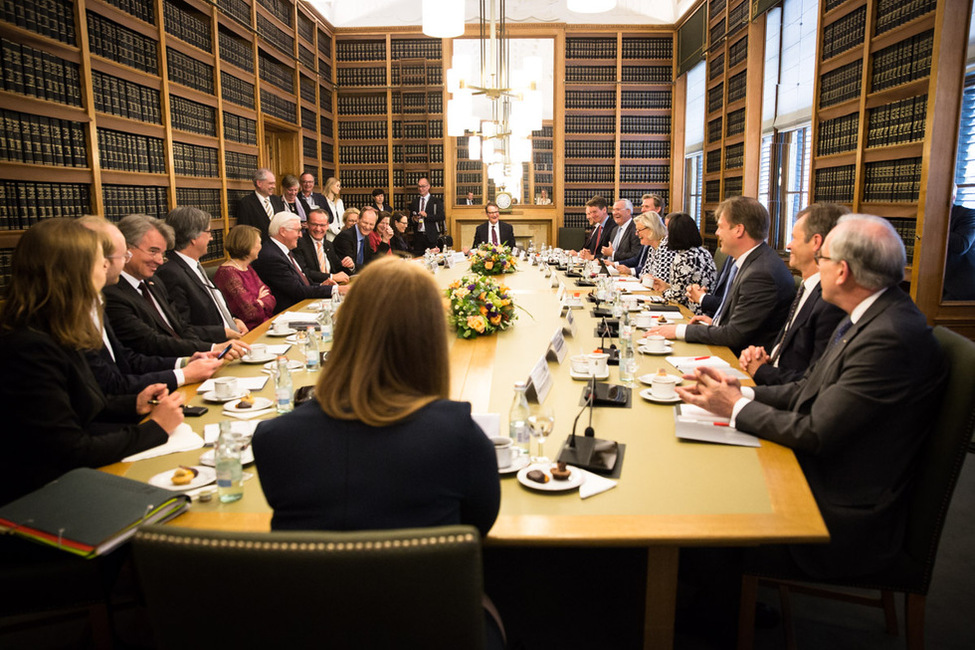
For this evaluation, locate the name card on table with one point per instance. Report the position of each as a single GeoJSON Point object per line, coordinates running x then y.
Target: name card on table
{"type": "Point", "coordinates": [556, 348]}
{"type": "Point", "coordinates": [556, 282]}
{"type": "Point", "coordinates": [539, 381]}
{"type": "Point", "coordinates": [568, 322]}
{"type": "Point", "coordinates": [560, 294]}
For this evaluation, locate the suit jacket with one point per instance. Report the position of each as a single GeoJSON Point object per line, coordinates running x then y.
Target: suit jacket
{"type": "Point", "coordinates": [712, 299]}
{"type": "Point", "coordinates": [505, 230]}
{"type": "Point", "coordinates": [805, 341]}
{"type": "Point", "coordinates": [129, 372]}
{"type": "Point", "coordinates": [307, 258]}
{"type": "Point", "coordinates": [315, 197]}
{"type": "Point", "coordinates": [140, 327]}
{"type": "Point", "coordinates": [283, 279]}
{"type": "Point", "coordinates": [188, 295]}
{"type": "Point", "coordinates": [57, 418]}
{"type": "Point", "coordinates": [250, 212]}
{"type": "Point", "coordinates": [629, 246]}
{"type": "Point", "coordinates": [756, 308]}
{"type": "Point", "coordinates": [346, 244]}
{"type": "Point", "coordinates": [433, 223]}
{"type": "Point", "coordinates": [595, 247]}
{"type": "Point", "coordinates": [385, 207]}
{"type": "Point", "coordinates": [300, 200]}
{"type": "Point", "coordinates": [856, 421]}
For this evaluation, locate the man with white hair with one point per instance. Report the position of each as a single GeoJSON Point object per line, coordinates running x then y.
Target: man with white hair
{"type": "Point", "coordinates": [277, 266]}
{"type": "Point", "coordinates": [257, 209]}
{"type": "Point", "coordinates": [625, 243]}
{"type": "Point", "coordinates": [858, 417]}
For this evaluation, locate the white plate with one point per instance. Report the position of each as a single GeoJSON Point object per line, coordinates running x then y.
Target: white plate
{"type": "Point", "coordinates": [206, 476]}
{"type": "Point", "coordinates": [645, 379]}
{"type": "Point", "coordinates": [246, 457]}
{"type": "Point", "coordinates": [285, 332]}
{"type": "Point", "coordinates": [264, 359]}
{"type": "Point", "coordinates": [588, 375]}
{"type": "Point", "coordinates": [211, 396]}
{"type": "Point", "coordinates": [520, 462]}
{"type": "Point", "coordinates": [314, 306]}
{"type": "Point", "coordinates": [646, 350]}
{"type": "Point", "coordinates": [260, 403]}
{"type": "Point", "coordinates": [575, 479]}
{"type": "Point", "coordinates": [293, 364]}
{"type": "Point", "coordinates": [650, 397]}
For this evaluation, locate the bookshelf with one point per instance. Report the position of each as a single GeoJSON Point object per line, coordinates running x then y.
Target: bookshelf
{"type": "Point", "coordinates": [618, 117]}
{"type": "Point", "coordinates": [141, 106]}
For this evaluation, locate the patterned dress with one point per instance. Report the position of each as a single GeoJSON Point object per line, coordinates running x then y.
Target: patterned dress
{"type": "Point", "coordinates": [691, 266]}
{"type": "Point", "coordinates": [659, 262]}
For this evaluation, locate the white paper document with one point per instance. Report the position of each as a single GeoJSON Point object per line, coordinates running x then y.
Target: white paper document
{"type": "Point", "coordinates": [693, 423]}
{"type": "Point", "coordinates": [183, 439]}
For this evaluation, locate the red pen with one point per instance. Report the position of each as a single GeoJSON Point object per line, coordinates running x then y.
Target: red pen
{"type": "Point", "coordinates": [701, 358]}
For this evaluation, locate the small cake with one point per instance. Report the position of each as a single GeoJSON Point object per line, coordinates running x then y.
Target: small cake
{"type": "Point", "coordinates": [246, 402]}
{"type": "Point", "coordinates": [560, 473]}
{"type": "Point", "coordinates": [537, 476]}
{"type": "Point", "coordinates": [662, 321]}
{"type": "Point", "coordinates": [183, 475]}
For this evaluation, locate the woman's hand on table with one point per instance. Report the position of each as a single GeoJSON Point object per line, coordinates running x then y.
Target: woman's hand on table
{"type": "Point", "coordinates": [660, 285]}
{"type": "Point", "coordinates": [167, 413]}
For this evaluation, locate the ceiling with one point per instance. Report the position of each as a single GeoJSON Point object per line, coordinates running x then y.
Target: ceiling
{"type": "Point", "coordinates": [380, 13]}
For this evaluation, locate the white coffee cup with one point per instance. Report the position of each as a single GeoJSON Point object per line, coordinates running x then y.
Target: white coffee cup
{"type": "Point", "coordinates": [598, 363]}
{"type": "Point", "coordinates": [225, 387]}
{"type": "Point", "coordinates": [656, 343]}
{"type": "Point", "coordinates": [663, 386]}
{"type": "Point", "coordinates": [643, 319]}
{"type": "Point", "coordinates": [281, 326]}
{"type": "Point", "coordinates": [580, 364]}
{"type": "Point", "coordinates": [647, 280]}
{"type": "Point", "coordinates": [505, 450]}
{"type": "Point", "coordinates": [258, 351]}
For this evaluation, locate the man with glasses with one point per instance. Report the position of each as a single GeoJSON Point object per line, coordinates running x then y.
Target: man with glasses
{"type": "Point", "coordinates": [428, 217]}
{"type": "Point", "coordinates": [316, 255]}
{"type": "Point", "coordinates": [278, 267]}
{"type": "Point", "coordinates": [139, 306]}
{"type": "Point", "coordinates": [308, 194]}
{"type": "Point", "coordinates": [494, 231]}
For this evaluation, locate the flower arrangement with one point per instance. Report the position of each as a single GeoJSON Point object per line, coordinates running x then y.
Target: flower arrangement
{"type": "Point", "coordinates": [479, 306]}
{"type": "Point", "coordinates": [489, 259]}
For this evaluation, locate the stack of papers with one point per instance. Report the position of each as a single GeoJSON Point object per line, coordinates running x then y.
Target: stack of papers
{"type": "Point", "coordinates": [687, 365]}
{"type": "Point", "coordinates": [694, 423]}
{"type": "Point", "coordinates": [183, 439]}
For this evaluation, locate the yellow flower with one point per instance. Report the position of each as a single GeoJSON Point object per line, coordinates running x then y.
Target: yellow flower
{"type": "Point", "coordinates": [496, 320]}
{"type": "Point", "coordinates": [483, 310]}
{"type": "Point", "coordinates": [476, 323]}
{"type": "Point", "coordinates": [459, 293]}
{"type": "Point", "coordinates": [489, 265]}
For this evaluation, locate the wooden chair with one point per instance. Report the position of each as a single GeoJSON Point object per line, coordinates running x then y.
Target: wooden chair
{"type": "Point", "coordinates": [939, 465]}
{"type": "Point", "coordinates": [417, 588]}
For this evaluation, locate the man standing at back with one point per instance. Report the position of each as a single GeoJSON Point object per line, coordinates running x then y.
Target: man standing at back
{"type": "Point", "coordinates": [428, 217]}
{"type": "Point", "coordinates": [494, 231]}
{"type": "Point", "coordinates": [311, 198]}
{"type": "Point", "coordinates": [760, 288]}
{"type": "Point", "coordinates": [257, 209]}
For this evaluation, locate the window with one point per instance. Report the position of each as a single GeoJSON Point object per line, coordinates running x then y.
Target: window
{"type": "Point", "coordinates": [694, 141]}
{"type": "Point", "coordinates": [965, 162]}
{"type": "Point", "coordinates": [694, 184]}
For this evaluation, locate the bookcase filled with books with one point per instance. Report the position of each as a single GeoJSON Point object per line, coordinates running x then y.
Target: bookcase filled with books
{"type": "Point", "coordinates": [114, 106]}
{"type": "Point", "coordinates": [618, 104]}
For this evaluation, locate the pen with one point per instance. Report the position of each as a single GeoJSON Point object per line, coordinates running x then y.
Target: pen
{"type": "Point", "coordinates": [701, 358]}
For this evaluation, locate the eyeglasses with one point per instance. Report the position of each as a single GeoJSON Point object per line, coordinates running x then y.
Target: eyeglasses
{"type": "Point", "coordinates": [493, 212]}
{"type": "Point", "coordinates": [819, 257]}
{"type": "Point", "coordinates": [126, 256]}
{"type": "Point", "coordinates": [152, 252]}
{"type": "Point", "coordinates": [639, 229]}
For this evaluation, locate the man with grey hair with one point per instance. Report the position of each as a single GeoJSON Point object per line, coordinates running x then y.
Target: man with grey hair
{"type": "Point", "coordinates": [138, 306]}
{"type": "Point", "coordinates": [624, 243]}
{"type": "Point", "coordinates": [192, 293]}
{"type": "Point", "coordinates": [277, 266]}
{"type": "Point", "coordinates": [858, 417]}
{"type": "Point", "coordinates": [257, 209]}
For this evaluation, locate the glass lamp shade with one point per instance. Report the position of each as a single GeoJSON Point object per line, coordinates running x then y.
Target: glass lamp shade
{"type": "Point", "coordinates": [586, 6]}
{"type": "Point", "coordinates": [443, 18]}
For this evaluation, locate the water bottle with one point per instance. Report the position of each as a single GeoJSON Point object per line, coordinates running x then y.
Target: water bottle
{"type": "Point", "coordinates": [284, 391]}
{"type": "Point", "coordinates": [336, 299]}
{"type": "Point", "coordinates": [325, 322]}
{"type": "Point", "coordinates": [627, 355]}
{"type": "Point", "coordinates": [518, 417]}
{"type": "Point", "coordinates": [313, 360]}
{"type": "Point", "coordinates": [230, 474]}
{"type": "Point", "coordinates": [617, 305]}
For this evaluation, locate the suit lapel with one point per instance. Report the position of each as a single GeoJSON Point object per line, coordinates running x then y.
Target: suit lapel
{"type": "Point", "coordinates": [803, 315]}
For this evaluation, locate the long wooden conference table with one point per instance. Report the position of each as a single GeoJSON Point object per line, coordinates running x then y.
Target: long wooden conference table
{"type": "Point", "coordinates": [670, 493]}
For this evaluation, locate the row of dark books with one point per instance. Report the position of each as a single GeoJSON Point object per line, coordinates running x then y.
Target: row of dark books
{"type": "Point", "coordinates": [844, 33]}
{"type": "Point", "coordinates": [710, 225]}
{"type": "Point", "coordinates": [236, 51]}
{"type": "Point", "coordinates": [902, 62]}
{"type": "Point", "coordinates": [717, 32]}
{"type": "Point", "coordinates": [236, 91]}
{"type": "Point", "coordinates": [907, 229]}
{"type": "Point", "coordinates": [328, 156]}
{"type": "Point", "coordinates": [467, 165]}
{"type": "Point", "coordinates": [350, 50]}
{"type": "Point", "coordinates": [363, 154]}
{"type": "Point", "coordinates": [207, 200]}
{"type": "Point", "coordinates": [589, 173]}
{"type": "Point", "coordinates": [275, 36]}
{"type": "Point", "coordinates": [579, 197]}
{"type": "Point", "coordinates": [306, 27]}
{"type": "Point", "coordinates": [189, 72]}
{"type": "Point", "coordinates": [411, 178]}
{"type": "Point", "coordinates": [50, 18]}
{"type": "Point", "coordinates": [897, 122]}
{"type": "Point", "coordinates": [473, 178]}
{"type": "Point", "coordinates": [590, 48]}
{"type": "Point", "coordinates": [416, 48]}
{"type": "Point", "coordinates": [240, 166]}
{"type": "Point", "coordinates": [650, 124]}
{"type": "Point", "coordinates": [324, 45]}
{"type": "Point", "coordinates": [586, 124]}
{"type": "Point", "coordinates": [361, 76]}
{"type": "Point", "coordinates": [416, 75]}
{"type": "Point", "coordinates": [417, 130]}
{"type": "Point", "coordinates": [841, 84]}
{"type": "Point", "coordinates": [646, 74]}
{"type": "Point", "coordinates": [358, 200]}
{"type": "Point", "coordinates": [738, 52]}
{"type": "Point", "coordinates": [362, 130]}
{"type": "Point", "coordinates": [587, 74]}
{"type": "Point", "coordinates": [738, 18]}
{"type": "Point", "coordinates": [574, 220]}
{"type": "Point", "coordinates": [734, 156]}
{"type": "Point", "coordinates": [195, 160]}
{"type": "Point", "coordinates": [644, 173]}
{"type": "Point", "coordinates": [365, 178]}
{"type": "Point", "coordinates": [712, 161]}
{"type": "Point", "coordinates": [306, 57]}
{"type": "Point", "coordinates": [714, 128]}
{"type": "Point", "coordinates": [326, 124]}
{"type": "Point", "coordinates": [542, 158]}
{"type": "Point", "coordinates": [24, 204]}
{"type": "Point", "coordinates": [633, 48]}
{"type": "Point", "coordinates": [715, 66]}
{"type": "Point", "coordinates": [306, 86]}
{"type": "Point", "coordinates": [835, 184]}
{"type": "Point", "coordinates": [733, 186]}
{"type": "Point", "coordinates": [187, 25]}
{"type": "Point", "coordinates": [590, 99]}
{"type": "Point", "coordinates": [278, 107]}
{"type": "Point", "coordinates": [736, 123]}
{"type": "Point", "coordinates": [309, 146]}
{"type": "Point", "coordinates": [715, 98]}
{"type": "Point", "coordinates": [712, 191]}
{"type": "Point", "coordinates": [121, 44]}
{"type": "Point", "coordinates": [38, 74]}
{"type": "Point", "coordinates": [891, 13]}
{"type": "Point", "coordinates": [5, 269]}
{"type": "Point", "coordinates": [233, 198]}
{"type": "Point", "coordinates": [214, 247]}
{"type": "Point", "coordinates": [280, 9]}
{"type": "Point", "coordinates": [657, 47]}
{"type": "Point", "coordinates": [544, 132]}
{"type": "Point", "coordinates": [418, 102]}
{"type": "Point", "coordinates": [308, 119]}
{"type": "Point", "coordinates": [716, 6]}
{"type": "Point", "coordinates": [239, 10]}
{"type": "Point", "coordinates": [892, 181]}
{"type": "Point", "coordinates": [737, 87]}
{"type": "Point", "coordinates": [362, 104]}
{"type": "Point", "coordinates": [187, 115]}
{"type": "Point", "coordinates": [838, 135]}
{"type": "Point", "coordinates": [277, 74]}
{"type": "Point", "coordinates": [39, 140]}
{"type": "Point", "coordinates": [130, 152]}
{"type": "Point", "coordinates": [124, 98]}
{"type": "Point", "coordinates": [830, 5]}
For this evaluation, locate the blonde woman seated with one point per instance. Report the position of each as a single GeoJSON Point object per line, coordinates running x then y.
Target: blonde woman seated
{"type": "Point", "coordinates": [350, 218]}
{"type": "Point", "coordinates": [654, 258]}
{"type": "Point", "coordinates": [248, 298]}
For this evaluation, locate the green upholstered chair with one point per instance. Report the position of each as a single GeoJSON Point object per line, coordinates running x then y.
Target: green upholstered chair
{"type": "Point", "coordinates": [415, 588]}
{"type": "Point", "coordinates": [940, 463]}
{"type": "Point", "coordinates": [571, 239]}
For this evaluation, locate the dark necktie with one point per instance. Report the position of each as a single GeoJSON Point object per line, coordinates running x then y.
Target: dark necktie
{"type": "Point", "coordinates": [727, 293]}
{"type": "Point", "coordinates": [840, 330]}
{"type": "Point", "coordinates": [359, 255]}
{"type": "Point", "coordinates": [494, 235]}
{"type": "Point", "coordinates": [597, 236]}
{"type": "Point", "coordinates": [788, 323]}
{"type": "Point", "coordinates": [297, 267]}
{"type": "Point", "coordinates": [144, 289]}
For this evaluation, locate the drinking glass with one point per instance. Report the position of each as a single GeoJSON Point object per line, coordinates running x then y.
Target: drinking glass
{"type": "Point", "coordinates": [541, 421]}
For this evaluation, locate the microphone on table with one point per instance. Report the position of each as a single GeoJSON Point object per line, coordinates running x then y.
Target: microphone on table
{"type": "Point", "coordinates": [589, 452]}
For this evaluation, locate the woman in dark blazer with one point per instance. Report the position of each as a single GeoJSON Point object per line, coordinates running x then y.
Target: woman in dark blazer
{"type": "Point", "coordinates": [56, 416]}
{"type": "Point", "coordinates": [398, 244]}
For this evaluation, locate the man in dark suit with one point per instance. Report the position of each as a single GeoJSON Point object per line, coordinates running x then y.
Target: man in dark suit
{"type": "Point", "coordinates": [467, 200]}
{"type": "Point", "coordinates": [602, 227]}
{"type": "Point", "coordinates": [857, 419]}
{"type": "Point", "coordinates": [311, 198]}
{"type": "Point", "coordinates": [625, 242]}
{"type": "Point", "coordinates": [139, 307]}
{"type": "Point", "coordinates": [758, 297]}
{"type": "Point", "coordinates": [279, 269]}
{"type": "Point", "coordinates": [354, 242]}
{"type": "Point", "coordinates": [811, 319]}
{"type": "Point", "coordinates": [316, 255]}
{"type": "Point", "coordinates": [494, 231]}
{"type": "Point", "coordinates": [193, 295]}
{"type": "Point", "coordinates": [257, 209]}
{"type": "Point", "coordinates": [428, 216]}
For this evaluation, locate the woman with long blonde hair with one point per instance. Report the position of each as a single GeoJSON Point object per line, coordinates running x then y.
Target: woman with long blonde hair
{"type": "Point", "coordinates": [334, 206]}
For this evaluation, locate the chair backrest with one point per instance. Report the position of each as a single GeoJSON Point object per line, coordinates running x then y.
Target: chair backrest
{"type": "Point", "coordinates": [943, 452]}
{"type": "Point", "coordinates": [571, 239]}
{"type": "Point", "coordinates": [415, 588]}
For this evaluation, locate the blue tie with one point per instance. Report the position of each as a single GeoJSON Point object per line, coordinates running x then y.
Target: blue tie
{"type": "Point", "coordinates": [727, 293]}
{"type": "Point", "coordinates": [840, 330]}
{"type": "Point", "coordinates": [358, 257]}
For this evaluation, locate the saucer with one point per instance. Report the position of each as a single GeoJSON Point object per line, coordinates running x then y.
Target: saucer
{"type": "Point", "coordinates": [293, 364]}
{"type": "Point", "coordinates": [211, 396]}
{"type": "Point", "coordinates": [587, 375]}
{"type": "Point", "coordinates": [204, 476]}
{"type": "Point", "coordinates": [648, 395]}
{"type": "Point", "coordinates": [520, 463]}
{"type": "Point", "coordinates": [646, 350]}
{"type": "Point", "coordinates": [285, 332]}
{"type": "Point", "coordinates": [645, 379]}
{"type": "Point", "coordinates": [249, 359]}
{"type": "Point", "coordinates": [575, 479]}
{"type": "Point", "coordinates": [260, 403]}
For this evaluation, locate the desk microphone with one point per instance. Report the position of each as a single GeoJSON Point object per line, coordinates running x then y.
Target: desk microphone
{"type": "Point", "coordinates": [589, 452]}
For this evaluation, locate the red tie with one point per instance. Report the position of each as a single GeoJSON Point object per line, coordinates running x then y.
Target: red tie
{"type": "Point", "coordinates": [494, 235]}
{"type": "Point", "coordinates": [297, 268]}
{"type": "Point", "coordinates": [595, 243]}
